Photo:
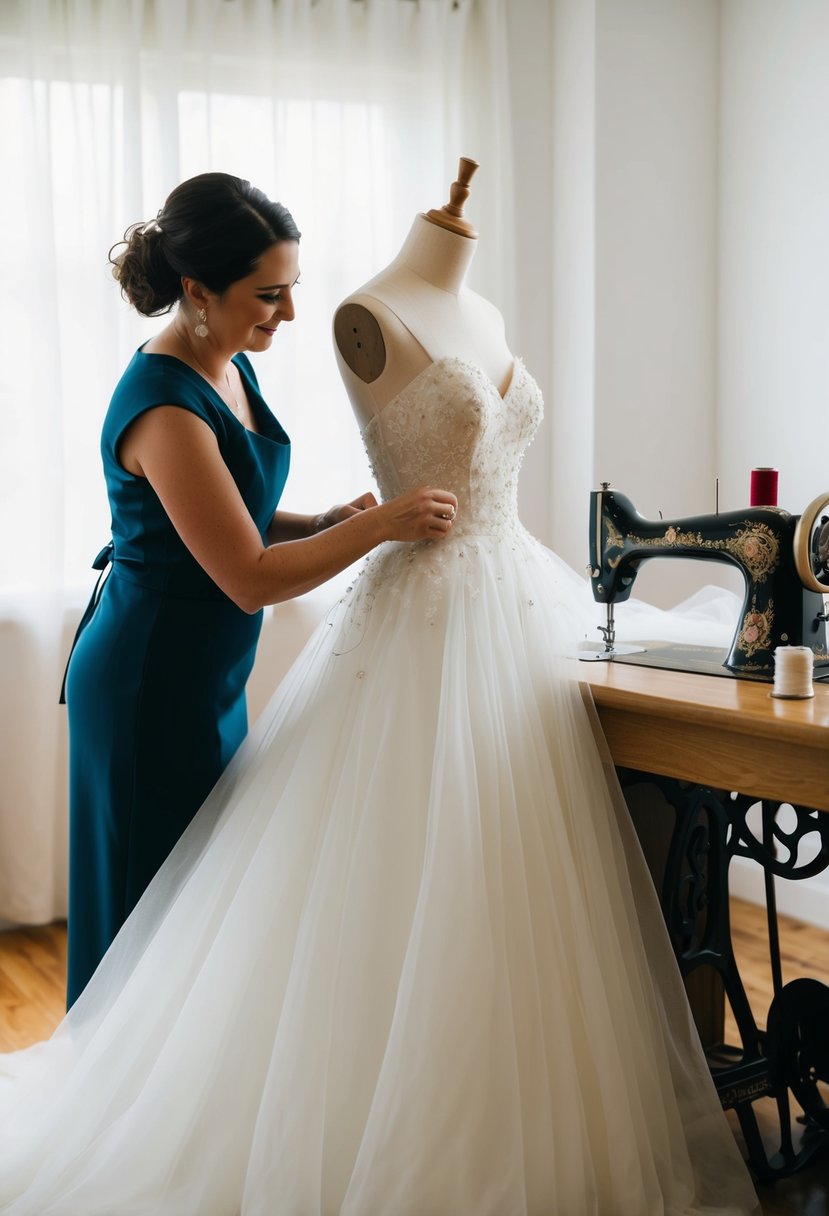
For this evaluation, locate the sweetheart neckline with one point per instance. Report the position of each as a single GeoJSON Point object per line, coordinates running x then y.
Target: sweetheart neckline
{"type": "Point", "coordinates": [458, 359]}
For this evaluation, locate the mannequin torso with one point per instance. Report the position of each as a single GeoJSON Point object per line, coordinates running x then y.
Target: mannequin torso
{"type": "Point", "coordinates": [413, 312]}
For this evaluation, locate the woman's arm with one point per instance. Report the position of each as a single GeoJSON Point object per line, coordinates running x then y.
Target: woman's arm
{"type": "Point", "coordinates": [287, 526]}
{"type": "Point", "coordinates": [178, 454]}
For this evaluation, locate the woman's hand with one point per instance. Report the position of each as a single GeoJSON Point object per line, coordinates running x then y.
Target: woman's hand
{"type": "Point", "coordinates": [179, 455]}
{"type": "Point", "coordinates": [421, 514]}
{"type": "Point", "coordinates": [336, 514]}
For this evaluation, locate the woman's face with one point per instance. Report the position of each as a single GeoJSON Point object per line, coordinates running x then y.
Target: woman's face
{"type": "Point", "coordinates": [247, 315]}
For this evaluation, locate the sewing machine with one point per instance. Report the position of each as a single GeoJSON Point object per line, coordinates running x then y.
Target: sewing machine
{"type": "Point", "coordinates": [784, 560]}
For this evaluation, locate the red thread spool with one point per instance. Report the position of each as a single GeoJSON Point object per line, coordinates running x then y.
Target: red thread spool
{"type": "Point", "coordinates": [763, 487]}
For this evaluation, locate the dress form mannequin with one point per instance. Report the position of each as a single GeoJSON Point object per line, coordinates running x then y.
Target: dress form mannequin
{"type": "Point", "coordinates": [418, 310]}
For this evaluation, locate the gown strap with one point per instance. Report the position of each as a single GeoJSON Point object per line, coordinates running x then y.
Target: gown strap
{"type": "Point", "coordinates": [100, 563]}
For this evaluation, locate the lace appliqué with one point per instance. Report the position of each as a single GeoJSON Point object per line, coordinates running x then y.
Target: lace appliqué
{"type": "Point", "coordinates": [449, 428]}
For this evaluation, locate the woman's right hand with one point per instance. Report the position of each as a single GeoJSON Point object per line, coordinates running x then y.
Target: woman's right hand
{"type": "Point", "coordinates": [180, 457]}
{"type": "Point", "coordinates": [421, 514]}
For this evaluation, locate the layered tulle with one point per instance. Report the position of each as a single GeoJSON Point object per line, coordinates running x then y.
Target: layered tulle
{"type": "Point", "coordinates": [407, 960]}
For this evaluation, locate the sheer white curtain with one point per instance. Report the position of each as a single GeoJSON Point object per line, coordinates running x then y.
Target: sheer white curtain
{"type": "Point", "coordinates": [351, 112]}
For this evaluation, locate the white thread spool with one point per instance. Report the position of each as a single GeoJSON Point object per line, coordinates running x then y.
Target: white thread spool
{"type": "Point", "coordinates": [793, 672]}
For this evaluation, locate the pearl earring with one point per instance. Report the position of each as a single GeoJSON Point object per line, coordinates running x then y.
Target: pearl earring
{"type": "Point", "coordinates": [201, 329]}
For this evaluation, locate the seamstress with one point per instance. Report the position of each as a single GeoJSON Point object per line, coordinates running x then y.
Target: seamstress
{"type": "Point", "coordinates": [195, 464]}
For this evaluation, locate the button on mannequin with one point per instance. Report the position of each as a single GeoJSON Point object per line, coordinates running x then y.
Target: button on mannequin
{"type": "Point", "coordinates": [419, 309]}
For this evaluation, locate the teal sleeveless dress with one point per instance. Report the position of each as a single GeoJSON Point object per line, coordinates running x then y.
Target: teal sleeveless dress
{"type": "Point", "coordinates": [155, 686]}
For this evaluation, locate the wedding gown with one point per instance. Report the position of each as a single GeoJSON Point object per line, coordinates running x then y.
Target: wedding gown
{"type": "Point", "coordinates": [406, 961]}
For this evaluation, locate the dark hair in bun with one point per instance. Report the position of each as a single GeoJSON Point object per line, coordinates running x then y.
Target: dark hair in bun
{"type": "Point", "coordinates": [212, 228]}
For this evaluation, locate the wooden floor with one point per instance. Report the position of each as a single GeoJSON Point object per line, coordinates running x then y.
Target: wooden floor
{"type": "Point", "coordinates": [32, 974]}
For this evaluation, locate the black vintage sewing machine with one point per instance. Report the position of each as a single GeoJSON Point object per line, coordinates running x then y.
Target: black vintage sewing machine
{"type": "Point", "coordinates": [784, 560]}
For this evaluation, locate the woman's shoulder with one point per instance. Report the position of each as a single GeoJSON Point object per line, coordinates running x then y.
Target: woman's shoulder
{"type": "Point", "coordinates": [159, 379]}
{"type": "Point", "coordinates": [145, 372]}
{"type": "Point", "coordinates": [151, 380]}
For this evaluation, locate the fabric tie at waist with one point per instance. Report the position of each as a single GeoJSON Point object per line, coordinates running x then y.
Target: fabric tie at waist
{"type": "Point", "coordinates": [101, 562]}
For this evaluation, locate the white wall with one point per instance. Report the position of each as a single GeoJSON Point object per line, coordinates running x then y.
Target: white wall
{"type": "Point", "coordinates": [656, 201]}
{"type": "Point", "coordinates": [572, 320]}
{"type": "Point", "coordinates": [672, 223]}
{"type": "Point", "coordinates": [774, 281]}
{"type": "Point", "coordinates": [531, 49]}
{"type": "Point", "coordinates": [673, 256]}
{"type": "Point", "coordinates": [774, 247]}
{"type": "Point", "coordinates": [616, 163]}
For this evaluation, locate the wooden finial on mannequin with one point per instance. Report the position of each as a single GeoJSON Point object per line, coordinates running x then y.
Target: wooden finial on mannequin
{"type": "Point", "coordinates": [450, 215]}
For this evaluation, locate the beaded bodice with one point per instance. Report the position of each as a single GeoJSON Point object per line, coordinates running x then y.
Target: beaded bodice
{"type": "Point", "coordinates": [450, 428]}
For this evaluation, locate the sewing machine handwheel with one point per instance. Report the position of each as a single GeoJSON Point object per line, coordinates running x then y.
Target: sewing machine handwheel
{"type": "Point", "coordinates": [811, 545]}
{"type": "Point", "coordinates": [796, 1044]}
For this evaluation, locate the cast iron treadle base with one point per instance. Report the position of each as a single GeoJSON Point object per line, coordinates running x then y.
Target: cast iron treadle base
{"type": "Point", "coordinates": [791, 1056]}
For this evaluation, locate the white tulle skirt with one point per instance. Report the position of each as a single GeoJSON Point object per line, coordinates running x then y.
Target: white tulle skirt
{"type": "Point", "coordinates": [406, 961]}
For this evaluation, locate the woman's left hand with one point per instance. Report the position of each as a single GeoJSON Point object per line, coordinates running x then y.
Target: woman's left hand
{"type": "Point", "coordinates": [342, 511]}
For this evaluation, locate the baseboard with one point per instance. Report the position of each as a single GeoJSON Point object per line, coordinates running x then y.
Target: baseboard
{"type": "Point", "coordinates": [806, 900]}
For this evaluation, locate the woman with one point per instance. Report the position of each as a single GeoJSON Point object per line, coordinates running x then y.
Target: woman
{"type": "Point", "coordinates": [195, 464]}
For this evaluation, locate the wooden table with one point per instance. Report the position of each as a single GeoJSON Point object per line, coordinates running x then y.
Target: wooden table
{"type": "Point", "coordinates": [708, 736]}
{"type": "Point", "coordinates": [714, 731]}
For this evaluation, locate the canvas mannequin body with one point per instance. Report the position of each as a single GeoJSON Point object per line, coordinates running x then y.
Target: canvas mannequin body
{"type": "Point", "coordinates": [415, 311]}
